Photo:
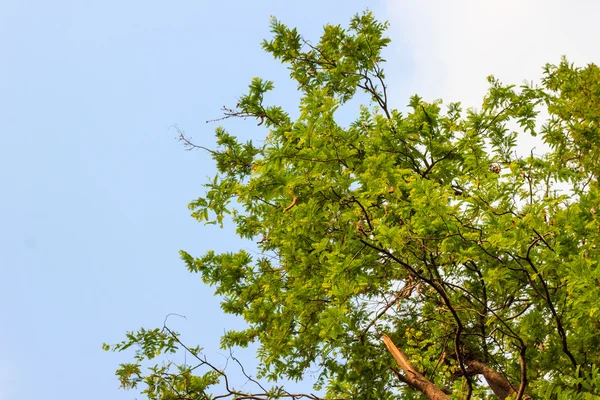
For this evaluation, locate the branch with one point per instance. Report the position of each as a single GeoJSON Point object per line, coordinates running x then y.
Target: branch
{"type": "Point", "coordinates": [442, 293]}
{"type": "Point", "coordinates": [230, 392]}
{"type": "Point", "coordinates": [413, 377]}
{"type": "Point", "coordinates": [499, 384]}
{"type": "Point", "coordinates": [187, 141]}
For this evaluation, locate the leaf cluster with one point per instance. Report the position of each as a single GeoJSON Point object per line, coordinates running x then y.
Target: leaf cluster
{"type": "Point", "coordinates": [428, 226]}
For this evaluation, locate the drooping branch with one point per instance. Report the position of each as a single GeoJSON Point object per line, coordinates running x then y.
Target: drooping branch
{"type": "Point", "coordinates": [230, 392]}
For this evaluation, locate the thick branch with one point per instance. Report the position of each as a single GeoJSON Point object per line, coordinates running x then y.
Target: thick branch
{"type": "Point", "coordinates": [499, 384]}
{"type": "Point", "coordinates": [413, 377]}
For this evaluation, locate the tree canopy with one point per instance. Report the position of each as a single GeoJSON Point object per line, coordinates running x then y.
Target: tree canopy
{"type": "Point", "coordinates": [408, 255]}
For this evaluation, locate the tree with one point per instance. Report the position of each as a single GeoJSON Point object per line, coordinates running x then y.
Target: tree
{"type": "Point", "coordinates": [408, 255]}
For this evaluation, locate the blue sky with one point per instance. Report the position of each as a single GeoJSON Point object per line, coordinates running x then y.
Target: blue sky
{"type": "Point", "coordinates": [96, 187]}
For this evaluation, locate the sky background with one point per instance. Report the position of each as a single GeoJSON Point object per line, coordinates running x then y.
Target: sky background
{"type": "Point", "coordinates": [96, 186]}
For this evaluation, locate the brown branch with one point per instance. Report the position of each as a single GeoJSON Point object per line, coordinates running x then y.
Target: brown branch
{"type": "Point", "coordinates": [411, 376]}
{"type": "Point", "coordinates": [446, 300]}
{"type": "Point", "coordinates": [499, 384]}
{"type": "Point", "coordinates": [291, 205]}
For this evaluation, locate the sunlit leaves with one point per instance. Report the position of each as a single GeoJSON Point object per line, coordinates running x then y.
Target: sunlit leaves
{"type": "Point", "coordinates": [430, 225]}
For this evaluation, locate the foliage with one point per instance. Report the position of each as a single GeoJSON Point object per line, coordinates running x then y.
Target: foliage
{"type": "Point", "coordinates": [428, 226]}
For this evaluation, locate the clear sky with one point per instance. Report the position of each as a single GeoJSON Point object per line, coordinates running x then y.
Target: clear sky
{"type": "Point", "coordinates": [96, 187]}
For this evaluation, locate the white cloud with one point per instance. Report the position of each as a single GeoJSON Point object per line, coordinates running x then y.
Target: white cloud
{"type": "Point", "coordinates": [454, 45]}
